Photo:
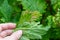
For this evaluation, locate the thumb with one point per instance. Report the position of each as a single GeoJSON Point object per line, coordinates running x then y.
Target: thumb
{"type": "Point", "coordinates": [16, 35]}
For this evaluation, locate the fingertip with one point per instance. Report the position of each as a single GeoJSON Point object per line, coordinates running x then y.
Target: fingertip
{"type": "Point", "coordinates": [16, 35]}
{"type": "Point", "coordinates": [20, 32]}
{"type": "Point", "coordinates": [11, 25]}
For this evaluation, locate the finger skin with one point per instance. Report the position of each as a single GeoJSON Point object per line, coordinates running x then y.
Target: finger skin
{"type": "Point", "coordinates": [16, 35]}
{"type": "Point", "coordinates": [5, 33]}
{"type": "Point", "coordinates": [6, 26]}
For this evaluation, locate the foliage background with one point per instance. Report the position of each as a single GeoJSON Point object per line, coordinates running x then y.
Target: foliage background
{"type": "Point", "coordinates": [42, 18]}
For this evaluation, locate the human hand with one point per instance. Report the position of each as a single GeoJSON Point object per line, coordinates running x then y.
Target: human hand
{"type": "Point", "coordinates": [6, 32]}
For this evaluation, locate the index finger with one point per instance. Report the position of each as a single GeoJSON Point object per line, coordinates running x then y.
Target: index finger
{"type": "Point", "coordinates": [6, 26]}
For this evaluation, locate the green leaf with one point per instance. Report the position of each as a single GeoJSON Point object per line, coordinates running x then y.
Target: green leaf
{"type": "Point", "coordinates": [34, 5]}
{"type": "Point", "coordinates": [54, 1]}
{"type": "Point", "coordinates": [24, 38]}
{"type": "Point", "coordinates": [6, 10]}
{"type": "Point", "coordinates": [33, 30]}
{"type": "Point", "coordinates": [25, 17]}
{"type": "Point", "coordinates": [28, 16]}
